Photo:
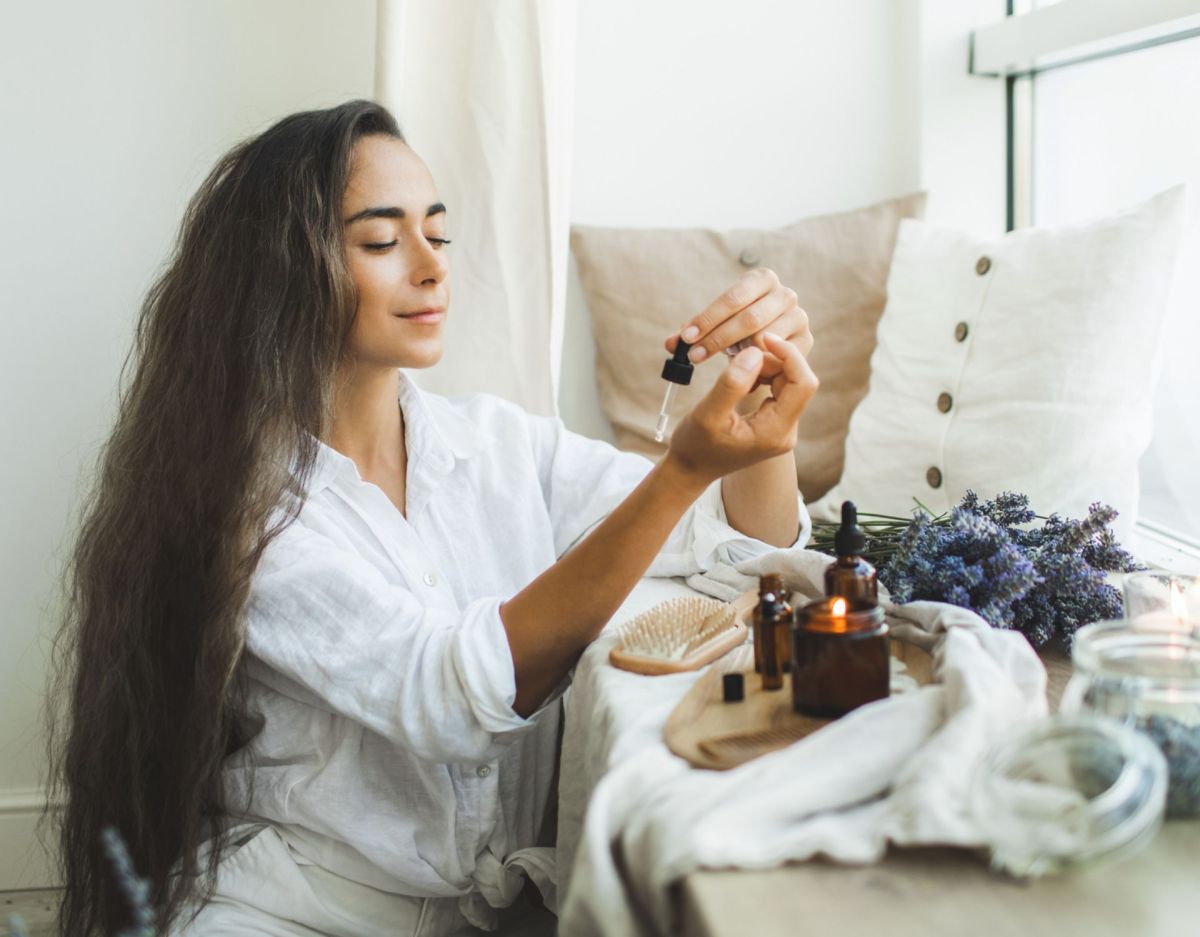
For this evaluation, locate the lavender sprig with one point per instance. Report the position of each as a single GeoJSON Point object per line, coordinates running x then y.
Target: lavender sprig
{"type": "Point", "coordinates": [970, 561]}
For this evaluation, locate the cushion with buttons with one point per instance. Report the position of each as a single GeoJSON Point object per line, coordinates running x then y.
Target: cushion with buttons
{"type": "Point", "coordinates": [1021, 363]}
{"type": "Point", "coordinates": [643, 284]}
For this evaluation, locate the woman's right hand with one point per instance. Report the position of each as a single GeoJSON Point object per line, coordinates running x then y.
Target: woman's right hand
{"type": "Point", "coordinates": [714, 439]}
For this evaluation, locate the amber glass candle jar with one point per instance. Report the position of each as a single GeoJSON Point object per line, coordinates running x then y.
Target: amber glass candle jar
{"type": "Point", "coordinates": [840, 656]}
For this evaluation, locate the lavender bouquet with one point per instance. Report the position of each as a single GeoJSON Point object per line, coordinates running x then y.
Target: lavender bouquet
{"type": "Point", "coordinates": [988, 556]}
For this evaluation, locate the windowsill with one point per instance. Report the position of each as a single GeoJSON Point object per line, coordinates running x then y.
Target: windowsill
{"type": "Point", "coordinates": [1161, 548]}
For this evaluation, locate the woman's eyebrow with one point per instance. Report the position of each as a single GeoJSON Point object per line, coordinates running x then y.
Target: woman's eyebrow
{"type": "Point", "coordinates": [392, 211]}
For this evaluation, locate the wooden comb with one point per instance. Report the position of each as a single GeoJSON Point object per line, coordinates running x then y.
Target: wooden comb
{"type": "Point", "coordinates": [682, 634]}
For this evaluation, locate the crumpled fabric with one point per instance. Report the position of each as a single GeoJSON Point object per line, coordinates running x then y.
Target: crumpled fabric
{"type": "Point", "coordinates": [500, 882]}
{"type": "Point", "coordinates": [896, 771]}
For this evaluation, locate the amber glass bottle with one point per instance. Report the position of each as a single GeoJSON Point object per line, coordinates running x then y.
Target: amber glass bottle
{"type": "Point", "coordinates": [850, 576]}
{"type": "Point", "coordinates": [772, 632]}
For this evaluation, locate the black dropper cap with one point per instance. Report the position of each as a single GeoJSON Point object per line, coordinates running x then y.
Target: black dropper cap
{"type": "Point", "coordinates": [849, 540]}
{"type": "Point", "coordinates": [678, 368]}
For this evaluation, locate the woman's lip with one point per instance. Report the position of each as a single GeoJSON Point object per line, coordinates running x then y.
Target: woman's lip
{"type": "Point", "coordinates": [424, 315]}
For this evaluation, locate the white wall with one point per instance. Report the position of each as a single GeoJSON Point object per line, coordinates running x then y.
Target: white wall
{"type": "Point", "coordinates": [962, 121]}
{"type": "Point", "coordinates": [111, 113]}
{"type": "Point", "coordinates": [752, 113]}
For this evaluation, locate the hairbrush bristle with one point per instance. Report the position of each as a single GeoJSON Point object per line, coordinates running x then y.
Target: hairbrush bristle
{"type": "Point", "coordinates": [677, 628]}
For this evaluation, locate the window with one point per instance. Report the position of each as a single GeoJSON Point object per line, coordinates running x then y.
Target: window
{"type": "Point", "coordinates": [1099, 122]}
{"type": "Point", "coordinates": [1107, 134]}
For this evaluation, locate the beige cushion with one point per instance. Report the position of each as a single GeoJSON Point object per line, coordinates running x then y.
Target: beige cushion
{"type": "Point", "coordinates": [1022, 363]}
{"type": "Point", "coordinates": [643, 284]}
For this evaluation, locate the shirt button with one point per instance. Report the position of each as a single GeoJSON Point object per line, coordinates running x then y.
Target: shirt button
{"type": "Point", "coordinates": [960, 332]}
{"type": "Point", "coordinates": [429, 579]}
{"type": "Point", "coordinates": [749, 258]}
{"type": "Point", "coordinates": [483, 770]}
{"type": "Point", "coordinates": [983, 265]}
{"type": "Point", "coordinates": [934, 477]}
{"type": "Point", "coordinates": [944, 403]}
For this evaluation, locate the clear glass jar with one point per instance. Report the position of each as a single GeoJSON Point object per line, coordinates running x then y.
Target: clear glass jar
{"type": "Point", "coordinates": [1068, 793]}
{"type": "Point", "coordinates": [1145, 674]}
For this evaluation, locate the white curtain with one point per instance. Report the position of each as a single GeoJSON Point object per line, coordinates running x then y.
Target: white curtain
{"type": "Point", "coordinates": [483, 90]}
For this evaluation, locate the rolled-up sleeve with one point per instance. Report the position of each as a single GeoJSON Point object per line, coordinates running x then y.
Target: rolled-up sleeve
{"type": "Point", "coordinates": [704, 538]}
{"type": "Point", "coordinates": [438, 682]}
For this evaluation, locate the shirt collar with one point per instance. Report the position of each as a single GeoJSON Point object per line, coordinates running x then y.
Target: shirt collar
{"type": "Point", "coordinates": [435, 433]}
{"type": "Point", "coordinates": [434, 427]}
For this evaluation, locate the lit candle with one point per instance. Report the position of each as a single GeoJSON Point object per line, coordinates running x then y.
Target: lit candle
{"type": "Point", "coordinates": [1164, 595]}
{"type": "Point", "coordinates": [840, 656]}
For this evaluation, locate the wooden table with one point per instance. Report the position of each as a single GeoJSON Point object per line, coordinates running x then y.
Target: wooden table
{"type": "Point", "coordinates": [951, 893]}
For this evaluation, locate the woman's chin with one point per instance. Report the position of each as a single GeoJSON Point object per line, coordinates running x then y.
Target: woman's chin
{"type": "Point", "coordinates": [423, 353]}
{"type": "Point", "coordinates": [417, 358]}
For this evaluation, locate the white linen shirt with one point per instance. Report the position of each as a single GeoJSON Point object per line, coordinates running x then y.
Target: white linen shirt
{"type": "Point", "coordinates": [381, 679]}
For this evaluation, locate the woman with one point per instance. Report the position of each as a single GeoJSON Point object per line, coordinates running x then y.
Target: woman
{"type": "Point", "coordinates": [314, 635]}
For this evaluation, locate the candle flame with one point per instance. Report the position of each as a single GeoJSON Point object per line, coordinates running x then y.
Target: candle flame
{"type": "Point", "coordinates": [839, 607]}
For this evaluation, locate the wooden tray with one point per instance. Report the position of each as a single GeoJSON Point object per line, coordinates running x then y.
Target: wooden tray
{"type": "Point", "coordinates": [709, 733]}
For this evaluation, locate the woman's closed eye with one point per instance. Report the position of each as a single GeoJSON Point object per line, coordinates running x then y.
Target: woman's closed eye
{"type": "Point", "coordinates": [381, 247]}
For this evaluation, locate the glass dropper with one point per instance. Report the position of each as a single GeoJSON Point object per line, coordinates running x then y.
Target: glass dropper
{"type": "Point", "coordinates": [676, 370]}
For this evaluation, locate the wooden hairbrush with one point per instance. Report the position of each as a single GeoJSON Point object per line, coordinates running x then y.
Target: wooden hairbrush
{"type": "Point", "coordinates": [682, 634]}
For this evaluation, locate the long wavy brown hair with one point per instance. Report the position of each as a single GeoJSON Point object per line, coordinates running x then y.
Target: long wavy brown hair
{"type": "Point", "coordinates": [225, 392]}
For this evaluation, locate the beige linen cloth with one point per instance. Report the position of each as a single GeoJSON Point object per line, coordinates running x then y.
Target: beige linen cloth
{"type": "Point", "coordinates": [897, 771]}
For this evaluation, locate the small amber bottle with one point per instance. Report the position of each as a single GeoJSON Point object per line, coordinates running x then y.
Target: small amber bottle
{"type": "Point", "coordinates": [783, 631]}
{"type": "Point", "coordinates": [850, 576]}
{"type": "Point", "coordinates": [767, 583]}
{"type": "Point", "coordinates": [772, 631]}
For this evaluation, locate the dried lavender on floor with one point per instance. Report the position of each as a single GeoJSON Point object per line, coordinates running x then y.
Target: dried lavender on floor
{"type": "Point", "coordinates": [137, 890]}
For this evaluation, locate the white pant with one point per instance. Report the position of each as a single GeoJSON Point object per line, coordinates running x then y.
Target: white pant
{"type": "Point", "coordinates": [262, 889]}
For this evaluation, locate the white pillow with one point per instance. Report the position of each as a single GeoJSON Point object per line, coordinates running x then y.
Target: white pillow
{"type": "Point", "coordinates": [1024, 363]}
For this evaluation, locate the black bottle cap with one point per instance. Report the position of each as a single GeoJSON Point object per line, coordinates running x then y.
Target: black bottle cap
{"type": "Point", "coordinates": [849, 540]}
{"type": "Point", "coordinates": [734, 686]}
{"type": "Point", "coordinates": [678, 369]}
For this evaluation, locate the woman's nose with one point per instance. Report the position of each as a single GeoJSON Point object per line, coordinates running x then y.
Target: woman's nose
{"type": "Point", "coordinates": [429, 265]}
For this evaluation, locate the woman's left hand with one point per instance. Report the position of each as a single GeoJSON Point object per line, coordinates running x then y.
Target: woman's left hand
{"type": "Point", "coordinates": [755, 304]}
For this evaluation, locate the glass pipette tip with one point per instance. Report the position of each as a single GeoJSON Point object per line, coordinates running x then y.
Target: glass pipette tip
{"type": "Point", "coordinates": [664, 414]}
